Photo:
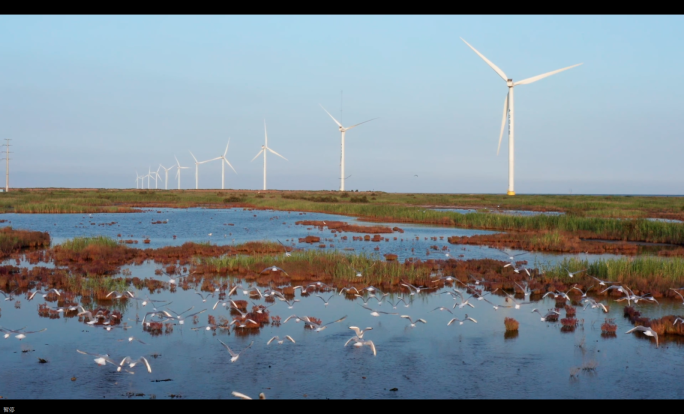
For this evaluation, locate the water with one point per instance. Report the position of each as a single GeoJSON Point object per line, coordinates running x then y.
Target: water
{"type": "Point", "coordinates": [432, 360]}
{"type": "Point", "coordinates": [195, 224]}
{"type": "Point", "coordinates": [507, 212]}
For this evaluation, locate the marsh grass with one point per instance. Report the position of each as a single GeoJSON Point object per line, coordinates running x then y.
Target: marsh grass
{"type": "Point", "coordinates": [78, 244]}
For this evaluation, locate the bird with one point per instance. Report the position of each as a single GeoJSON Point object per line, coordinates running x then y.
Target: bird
{"type": "Point", "coordinates": [571, 274]}
{"type": "Point", "coordinates": [181, 319]}
{"type": "Point", "coordinates": [646, 331]}
{"type": "Point", "coordinates": [233, 356]}
{"type": "Point", "coordinates": [601, 282]}
{"type": "Point", "coordinates": [359, 332]}
{"type": "Point", "coordinates": [543, 318]}
{"type": "Point", "coordinates": [441, 308]}
{"type": "Point", "coordinates": [131, 339]}
{"type": "Point", "coordinates": [510, 256]}
{"type": "Point", "coordinates": [414, 289]}
{"type": "Point", "coordinates": [20, 334]}
{"type": "Point", "coordinates": [377, 312]}
{"type": "Point", "coordinates": [287, 254]}
{"type": "Point", "coordinates": [320, 327]}
{"type": "Point", "coordinates": [273, 269]}
{"type": "Point", "coordinates": [594, 304]}
{"type": "Point", "coordinates": [205, 297]}
{"type": "Point", "coordinates": [119, 295]}
{"type": "Point", "coordinates": [349, 289]}
{"type": "Point", "coordinates": [584, 293]}
{"type": "Point", "coordinates": [460, 322]}
{"type": "Point", "coordinates": [290, 304]}
{"type": "Point", "coordinates": [326, 301]}
{"type": "Point", "coordinates": [679, 294]}
{"type": "Point", "coordinates": [246, 397]}
{"type": "Point", "coordinates": [395, 303]}
{"type": "Point", "coordinates": [463, 304]}
{"type": "Point", "coordinates": [131, 363]}
{"type": "Point", "coordinates": [280, 341]}
{"type": "Point", "coordinates": [413, 324]}
{"type": "Point", "coordinates": [677, 320]}
{"type": "Point", "coordinates": [100, 359]}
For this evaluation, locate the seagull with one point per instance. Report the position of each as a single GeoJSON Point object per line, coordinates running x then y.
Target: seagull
{"type": "Point", "coordinates": [48, 292]}
{"type": "Point", "coordinates": [441, 308]}
{"type": "Point", "coordinates": [273, 269]}
{"type": "Point", "coordinates": [447, 278]}
{"type": "Point", "coordinates": [261, 308]}
{"type": "Point", "coordinates": [205, 297]}
{"type": "Point", "coordinates": [677, 320]}
{"type": "Point", "coordinates": [413, 324]}
{"type": "Point", "coordinates": [395, 303]}
{"type": "Point", "coordinates": [101, 359]}
{"type": "Point", "coordinates": [372, 346]}
{"type": "Point", "coordinates": [412, 288]}
{"type": "Point", "coordinates": [290, 304]}
{"type": "Point", "coordinates": [463, 304]}
{"type": "Point", "coordinates": [377, 312]}
{"type": "Point", "coordinates": [460, 322]}
{"type": "Point", "coordinates": [320, 327]}
{"type": "Point", "coordinates": [359, 332]}
{"type": "Point", "coordinates": [349, 289]}
{"type": "Point", "coordinates": [233, 356]}
{"type": "Point", "coordinates": [543, 318]}
{"type": "Point", "coordinates": [287, 254]}
{"type": "Point", "coordinates": [571, 274]}
{"type": "Point", "coordinates": [181, 319]}
{"type": "Point", "coordinates": [245, 397]}
{"type": "Point", "coordinates": [511, 257]}
{"type": "Point", "coordinates": [594, 304]}
{"type": "Point", "coordinates": [131, 339]}
{"type": "Point", "coordinates": [280, 341]}
{"type": "Point", "coordinates": [646, 331]}
{"type": "Point", "coordinates": [128, 360]}
{"type": "Point", "coordinates": [477, 281]}
{"type": "Point", "coordinates": [326, 301]}
{"type": "Point", "coordinates": [118, 295]}
{"type": "Point", "coordinates": [679, 294]}
{"type": "Point", "coordinates": [584, 293]}
{"type": "Point", "coordinates": [20, 334]}
{"type": "Point", "coordinates": [601, 282]}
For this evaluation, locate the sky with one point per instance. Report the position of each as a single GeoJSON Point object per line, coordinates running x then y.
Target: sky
{"type": "Point", "coordinates": [91, 101]}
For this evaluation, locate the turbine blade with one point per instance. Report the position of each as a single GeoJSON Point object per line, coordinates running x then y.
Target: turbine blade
{"type": "Point", "coordinates": [347, 129]}
{"type": "Point", "coordinates": [326, 111]}
{"type": "Point", "coordinates": [536, 78]}
{"type": "Point", "coordinates": [229, 165]}
{"type": "Point", "coordinates": [277, 154]}
{"type": "Point", "coordinates": [491, 65]}
{"type": "Point", "coordinates": [255, 157]}
{"type": "Point", "coordinates": [226, 151]}
{"type": "Point", "coordinates": [503, 123]}
{"type": "Point", "coordinates": [193, 156]}
{"type": "Point", "coordinates": [178, 162]}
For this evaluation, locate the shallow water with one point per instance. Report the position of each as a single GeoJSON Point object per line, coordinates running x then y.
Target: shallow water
{"type": "Point", "coordinates": [195, 224]}
{"type": "Point", "coordinates": [432, 360]}
{"type": "Point", "coordinates": [507, 212]}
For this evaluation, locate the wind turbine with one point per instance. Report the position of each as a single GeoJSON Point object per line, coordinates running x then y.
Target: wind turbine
{"type": "Point", "coordinates": [197, 163]}
{"type": "Point", "coordinates": [137, 178]}
{"type": "Point", "coordinates": [166, 173]}
{"type": "Point", "coordinates": [156, 176]}
{"type": "Point", "coordinates": [343, 130]}
{"type": "Point", "coordinates": [178, 172]}
{"type": "Point", "coordinates": [263, 149]}
{"type": "Point", "coordinates": [508, 105]}
{"type": "Point", "coordinates": [149, 175]}
{"type": "Point", "coordinates": [223, 165]}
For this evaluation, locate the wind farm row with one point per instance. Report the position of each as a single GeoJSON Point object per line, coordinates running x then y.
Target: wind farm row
{"type": "Point", "coordinates": [508, 114]}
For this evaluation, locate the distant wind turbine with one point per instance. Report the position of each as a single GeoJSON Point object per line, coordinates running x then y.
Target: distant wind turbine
{"type": "Point", "coordinates": [223, 166]}
{"type": "Point", "coordinates": [197, 164]}
{"type": "Point", "coordinates": [263, 149]}
{"type": "Point", "coordinates": [166, 174]}
{"type": "Point", "coordinates": [156, 176]}
{"type": "Point", "coordinates": [343, 130]}
{"type": "Point", "coordinates": [508, 103]}
{"type": "Point", "coordinates": [178, 171]}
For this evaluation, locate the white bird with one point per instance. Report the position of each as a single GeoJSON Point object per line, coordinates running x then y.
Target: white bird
{"type": "Point", "coordinates": [460, 322]}
{"type": "Point", "coordinates": [395, 303]}
{"type": "Point", "coordinates": [273, 269]}
{"type": "Point", "coordinates": [677, 320]}
{"type": "Point", "coordinates": [20, 333]}
{"type": "Point", "coordinates": [377, 312]}
{"type": "Point", "coordinates": [646, 331]}
{"type": "Point", "coordinates": [205, 296]}
{"type": "Point", "coordinates": [584, 293]}
{"type": "Point", "coordinates": [320, 327]}
{"type": "Point", "coordinates": [280, 341]}
{"type": "Point", "coordinates": [543, 318]}
{"type": "Point", "coordinates": [101, 359]}
{"type": "Point", "coordinates": [233, 355]}
{"type": "Point", "coordinates": [571, 274]}
{"type": "Point", "coordinates": [601, 282]}
{"type": "Point", "coordinates": [509, 104]}
{"type": "Point", "coordinates": [131, 339]}
{"type": "Point", "coordinates": [359, 332]}
{"type": "Point", "coordinates": [131, 363]}
{"type": "Point", "coordinates": [679, 294]}
{"type": "Point", "coordinates": [413, 324]}
{"type": "Point", "coordinates": [287, 254]}
{"type": "Point", "coordinates": [246, 397]}
{"type": "Point", "coordinates": [442, 308]}
{"type": "Point", "coordinates": [326, 301]}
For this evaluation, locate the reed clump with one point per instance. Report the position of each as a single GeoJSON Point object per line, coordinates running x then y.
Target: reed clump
{"type": "Point", "coordinates": [511, 324]}
{"type": "Point", "coordinates": [12, 240]}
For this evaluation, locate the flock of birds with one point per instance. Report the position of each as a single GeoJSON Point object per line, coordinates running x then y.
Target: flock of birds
{"type": "Point", "coordinates": [462, 294]}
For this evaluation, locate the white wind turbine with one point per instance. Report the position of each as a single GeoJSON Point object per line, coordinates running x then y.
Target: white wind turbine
{"type": "Point", "coordinates": [156, 176]}
{"type": "Point", "coordinates": [149, 175]}
{"type": "Point", "coordinates": [178, 171]}
{"type": "Point", "coordinates": [508, 104]}
{"type": "Point", "coordinates": [137, 178]}
{"type": "Point", "coordinates": [166, 175]}
{"type": "Point", "coordinates": [197, 163]}
{"type": "Point", "coordinates": [343, 130]}
{"type": "Point", "coordinates": [263, 149]}
{"type": "Point", "coordinates": [223, 165]}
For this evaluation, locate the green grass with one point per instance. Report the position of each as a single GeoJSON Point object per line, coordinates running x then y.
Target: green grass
{"type": "Point", "coordinates": [77, 244]}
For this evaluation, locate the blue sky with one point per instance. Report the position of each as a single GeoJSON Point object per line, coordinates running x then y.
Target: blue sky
{"type": "Point", "coordinates": [88, 100]}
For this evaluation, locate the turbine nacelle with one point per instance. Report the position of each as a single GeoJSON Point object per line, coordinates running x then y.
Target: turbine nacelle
{"type": "Point", "coordinates": [509, 83]}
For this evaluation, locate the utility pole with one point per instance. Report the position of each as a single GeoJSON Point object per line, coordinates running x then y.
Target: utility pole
{"type": "Point", "coordinates": [7, 158]}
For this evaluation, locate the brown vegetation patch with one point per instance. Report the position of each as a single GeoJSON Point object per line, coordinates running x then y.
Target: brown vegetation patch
{"type": "Point", "coordinates": [342, 226]}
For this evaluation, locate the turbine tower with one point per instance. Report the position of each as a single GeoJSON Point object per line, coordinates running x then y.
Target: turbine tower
{"type": "Point", "coordinates": [510, 112]}
{"type": "Point", "coordinates": [343, 130]}
{"type": "Point", "coordinates": [223, 166]}
{"type": "Point", "coordinates": [178, 172]}
{"type": "Point", "coordinates": [263, 149]}
{"type": "Point", "coordinates": [197, 163]}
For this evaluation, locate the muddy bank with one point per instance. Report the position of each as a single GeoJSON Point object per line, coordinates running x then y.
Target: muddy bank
{"type": "Point", "coordinates": [340, 226]}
